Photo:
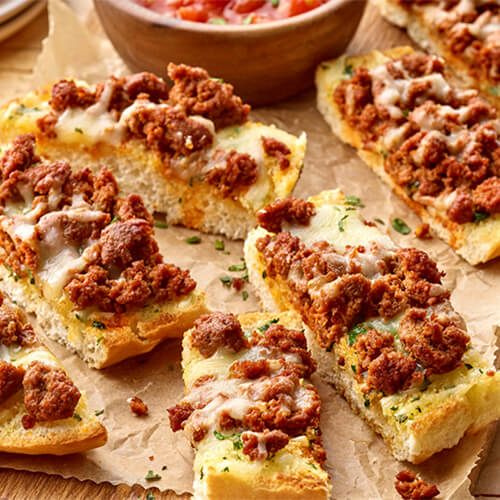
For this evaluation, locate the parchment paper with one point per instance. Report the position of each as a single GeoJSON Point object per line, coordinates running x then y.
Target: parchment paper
{"type": "Point", "coordinates": [360, 465]}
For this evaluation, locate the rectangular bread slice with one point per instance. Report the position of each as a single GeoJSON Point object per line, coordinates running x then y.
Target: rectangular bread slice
{"type": "Point", "coordinates": [466, 35]}
{"type": "Point", "coordinates": [378, 322]}
{"type": "Point", "coordinates": [250, 411]}
{"type": "Point", "coordinates": [190, 151]}
{"type": "Point", "coordinates": [41, 409]}
{"type": "Point", "coordinates": [86, 262]}
{"type": "Point", "coordinates": [423, 137]}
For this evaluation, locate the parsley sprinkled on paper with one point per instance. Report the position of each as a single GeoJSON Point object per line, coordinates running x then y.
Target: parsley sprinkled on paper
{"type": "Point", "coordinates": [354, 201]}
{"type": "Point", "coordinates": [380, 221]}
{"type": "Point", "coordinates": [341, 222]}
{"type": "Point", "coordinates": [193, 240]}
{"type": "Point", "coordinates": [160, 224]}
{"type": "Point", "coordinates": [244, 294]}
{"type": "Point", "coordinates": [400, 226]}
{"type": "Point", "coordinates": [237, 267]}
{"type": "Point", "coordinates": [226, 281]}
{"type": "Point", "coordinates": [219, 244]}
{"type": "Point", "coordinates": [151, 476]}
{"type": "Point", "coordinates": [98, 412]}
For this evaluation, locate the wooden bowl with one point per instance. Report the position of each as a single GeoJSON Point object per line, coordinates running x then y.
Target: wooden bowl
{"type": "Point", "coordinates": [265, 62]}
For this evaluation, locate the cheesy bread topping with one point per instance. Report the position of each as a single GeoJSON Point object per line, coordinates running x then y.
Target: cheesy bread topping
{"type": "Point", "coordinates": [251, 388]}
{"type": "Point", "coordinates": [68, 233]}
{"type": "Point", "coordinates": [440, 144]}
{"type": "Point", "coordinates": [470, 29]}
{"type": "Point", "coordinates": [383, 307]}
{"type": "Point", "coordinates": [194, 126]}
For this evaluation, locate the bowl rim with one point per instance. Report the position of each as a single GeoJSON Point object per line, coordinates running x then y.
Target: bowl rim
{"type": "Point", "coordinates": [159, 20]}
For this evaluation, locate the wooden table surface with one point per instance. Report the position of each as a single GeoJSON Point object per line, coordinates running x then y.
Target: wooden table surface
{"type": "Point", "coordinates": [17, 56]}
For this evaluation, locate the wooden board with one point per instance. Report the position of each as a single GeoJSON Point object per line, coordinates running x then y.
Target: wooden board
{"type": "Point", "coordinates": [17, 57]}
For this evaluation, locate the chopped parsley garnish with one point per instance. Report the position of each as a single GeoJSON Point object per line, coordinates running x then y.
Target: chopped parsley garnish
{"type": "Point", "coordinates": [275, 3]}
{"type": "Point", "coordinates": [150, 496]}
{"type": "Point", "coordinates": [237, 267]}
{"type": "Point", "coordinates": [245, 276]}
{"type": "Point", "coordinates": [217, 20]}
{"type": "Point", "coordinates": [354, 332]}
{"type": "Point", "coordinates": [311, 465]}
{"type": "Point", "coordinates": [78, 317]}
{"type": "Point", "coordinates": [265, 326]}
{"type": "Point", "coordinates": [479, 216]}
{"type": "Point", "coordinates": [225, 469]}
{"type": "Point", "coordinates": [264, 274]}
{"type": "Point", "coordinates": [160, 224]}
{"type": "Point", "coordinates": [353, 367]}
{"type": "Point", "coordinates": [416, 398]}
{"type": "Point", "coordinates": [380, 221]}
{"type": "Point", "coordinates": [244, 294]}
{"type": "Point", "coordinates": [235, 438]}
{"type": "Point", "coordinates": [151, 476]}
{"type": "Point", "coordinates": [11, 271]}
{"type": "Point", "coordinates": [219, 244]}
{"type": "Point", "coordinates": [22, 109]}
{"type": "Point", "coordinates": [348, 71]}
{"type": "Point", "coordinates": [201, 473]}
{"type": "Point", "coordinates": [79, 130]}
{"type": "Point", "coordinates": [115, 219]}
{"type": "Point", "coordinates": [354, 201]}
{"type": "Point", "coordinates": [32, 280]}
{"type": "Point", "coordinates": [468, 366]}
{"type": "Point", "coordinates": [77, 417]}
{"type": "Point", "coordinates": [193, 240]}
{"type": "Point", "coordinates": [180, 200]}
{"type": "Point", "coordinates": [341, 222]}
{"type": "Point", "coordinates": [227, 281]}
{"type": "Point", "coordinates": [367, 403]}
{"type": "Point", "coordinates": [247, 20]}
{"type": "Point", "coordinates": [406, 112]}
{"type": "Point", "coordinates": [394, 408]}
{"type": "Point", "coordinates": [384, 153]}
{"type": "Point", "coordinates": [99, 324]}
{"type": "Point", "coordinates": [99, 340]}
{"type": "Point", "coordinates": [401, 418]}
{"type": "Point", "coordinates": [494, 91]}
{"type": "Point", "coordinates": [98, 412]}
{"type": "Point", "coordinates": [400, 226]}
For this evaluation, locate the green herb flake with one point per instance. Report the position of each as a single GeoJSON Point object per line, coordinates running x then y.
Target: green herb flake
{"type": "Point", "coordinates": [479, 216]}
{"type": "Point", "coordinates": [367, 403]}
{"type": "Point", "coordinates": [191, 181]}
{"type": "Point", "coordinates": [353, 367]}
{"type": "Point", "coordinates": [384, 153]}
{"type": "Point", "coordinates": [150, 496]}
{"type": "Point", "coordinates": [494, 91]}
{"type": "Point", "coordinates": [380, 221]}
{"type": "Point", "coordinates": [151, 476]}
{"type": "Point", "coordinates": [237, 268]}
{"type": "Point", "coordinates": [394, 408]}
{"type": "Point", "coordinates": [161, 225]}
{"type": "Point", "coordinates": [99, 340]}
{"type": "Point", "coordinates": [400, 226]}
{"type": "Point", "coordinates": [22, 109]}
{"type": "Point", "coordinates": [416, 398]}
{"type": "Point", "coordinates": [247, 20]}
{"type": "Point", "coordinates": [193, 240]}
{"type": "Point", "coordinates": [80, 250]}
{"type": "Point", "coordinates": [201, 473]}
{"type": "Point", "coordinates": [238, 444]}
{"type": "Point", "coordinates": [401, 418]}
{"type": "Point", "coordinates": [79, 130]}
{"type": "Point", "coordinates": [225, 469]}
{"type": "Point", "coordinates": [219, 244]}
{"type": "Point", "coordinates": [264, 274]}
{"type": "Point", "coordinates": [114, 219]}
{"type": "Point", "coordinates": [275, 3]}
{"type": "Point", "coordinates": [78, 317]}
{"type": "Point", "coordinates": [77, 417]}
{"type": "Point", "coordinates": [354, 201]}
{"type": "Point", "coordinates": [312, 465]}
{"type": "Point", "coordinates": [32, 279]}
{"type": "Point", "coordinates": [98, 412]}
{"type": "Point", "coordinates": [468, 366]}
{"type": "Point", "coordinates": [348, 71]}
{"type": "Point", "coordinates": [265, 326]}
{"type": "Point", "coordinates": [406, 112]}
{"type": "Point", "coordinates": [227, 281]}
{"type": "Point", "coordinates": [244, 295]}
{"type": "Point", "coordinates": [354, 332]}
{"type": "Point", "coordinates": [217, 20]}
{"type": "Point", "coordinates": [341, 222]}
{"type": "Point", "coordinates": [99, 324]}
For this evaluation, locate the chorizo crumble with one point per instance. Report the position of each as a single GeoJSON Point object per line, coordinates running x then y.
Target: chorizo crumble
{"type": "Point", "coordinates": [440, 143]}
{"type": "Point", "coordinates": [122, 264]}
{"type": "Point", "coordinates": [411, 488]}
{"type": "Point", "coordinates": [336, 292]}
{"type": "Point", "coordinates": [268, 384]}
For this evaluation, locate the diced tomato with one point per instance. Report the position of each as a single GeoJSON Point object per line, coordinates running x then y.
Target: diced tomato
{"type": "Point", "coordinates": [300, 6]}
{"type": "Point", "coordinates": [192, 14]}
{"type": "Point", "coordinates": [247, 6]}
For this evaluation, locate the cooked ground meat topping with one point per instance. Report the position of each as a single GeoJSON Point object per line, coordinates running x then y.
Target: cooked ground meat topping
{"type": "Point", "coordinates": [264, 400]}
{"type": "Point", "coordinates": [336, 292]}
{"type": "Point", "coordinates": [278, 149]}
{"type": "Point", "coordinates": [80, 213]}
{"type": "Point", "coordinates": [137, 406]}
{"type": "Point", "coordinates": [441, 144]}
{"type": "Point", "coordinates": [11, 379]}
{"type": "Point", "coordinates": [411, 488]}
{"type": "Point", "coordinates": [49, 394]}
{"type": "Point", "coordinates": [14, 328]}
{"type": "Point", "coordinates": [291, 210]}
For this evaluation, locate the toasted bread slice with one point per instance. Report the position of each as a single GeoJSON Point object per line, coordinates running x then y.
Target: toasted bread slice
{"type": "Point", "coordinates": [23, 427]}
{"type": "Point", "coordinates": [422, 24]}
{"type": "Point", "coordinates": [175, 178]}
{"type": "Point", "coordinates": [225, 466]}
{"type": "Point", "coordinates": [437, 404]}
{"type": "Point", "coordinates": [125, 300]}
{"type": "Point", "coordinates": [476, 241]}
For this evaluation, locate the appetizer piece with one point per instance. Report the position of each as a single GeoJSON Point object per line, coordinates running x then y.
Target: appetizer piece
{"type": "Point", "coordinates": [86, 261]}
{"type": "Point", "coordinates": [190, 151]}
{"type": "Point", "coordinates": [250, 411]}
{"type": "Point", "coordinates": [42, 409]}
{"type": "Point", "coordinates": [466, 33]}
{"type": "Point", "coordinates": [378, 322]}
{"type": "Point", "coordinates": [435, 145]}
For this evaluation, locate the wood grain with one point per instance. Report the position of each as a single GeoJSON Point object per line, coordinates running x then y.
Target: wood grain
{"type": "Point", "coordinates": [17, 57]}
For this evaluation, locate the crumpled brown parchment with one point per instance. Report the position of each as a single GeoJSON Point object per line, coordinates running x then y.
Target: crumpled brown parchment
{"type": "Point", "coordinates": [360, 464]}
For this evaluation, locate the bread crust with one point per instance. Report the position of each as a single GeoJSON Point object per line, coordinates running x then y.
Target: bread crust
{"type": "Point", "coordinates": [102, 348]}
{"type": "Point", "coordinates": [476, 242]}
{"type": "Point", "coordinates": [435, 430]}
